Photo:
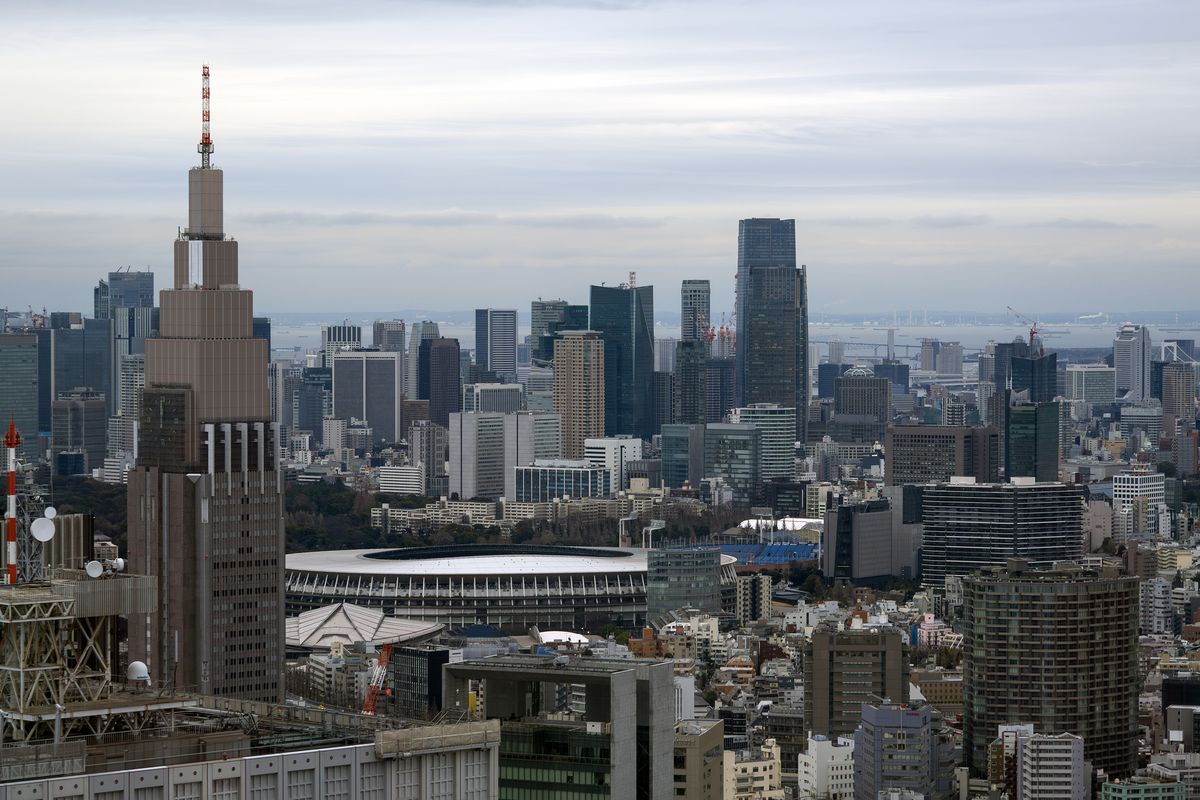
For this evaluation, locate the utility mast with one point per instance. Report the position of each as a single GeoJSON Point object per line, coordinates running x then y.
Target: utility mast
{"type": "Point", "coordinates": [205, 147]}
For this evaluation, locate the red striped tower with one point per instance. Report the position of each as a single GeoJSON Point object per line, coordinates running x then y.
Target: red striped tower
{"type": "Point", "coordinates": [12, 440]}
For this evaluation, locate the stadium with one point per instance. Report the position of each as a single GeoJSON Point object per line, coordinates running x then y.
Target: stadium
{"type": "Point", "coordinates": [509, 587]}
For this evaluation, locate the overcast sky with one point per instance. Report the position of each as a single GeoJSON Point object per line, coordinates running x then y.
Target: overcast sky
{"type": "Point", "coordinates": [447, 155]}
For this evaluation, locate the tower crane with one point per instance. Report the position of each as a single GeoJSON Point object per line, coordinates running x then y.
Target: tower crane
{"type": "Point", "coordinates": [1033, 329]}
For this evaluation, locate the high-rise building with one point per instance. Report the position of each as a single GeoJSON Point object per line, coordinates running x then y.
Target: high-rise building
{"type": "Point", "coordinates": [732, 454]}
{"type": "Point", "coordinates": [917, 454]}
{"type": "Point", "coordinates": [777, 445]}
{"type": "Point", "coordinates": [579, 388]}
{"type": "Point", "coordinates": [206, 498]}
{"type": "Point", "coordinates": [101, 308]}
{"type": "Point", "coordinates": [548, 318]}
{"type": "Point", "coordinates": [1091, 383]}
{"type": "Point", "coordinates": [339, 337]}
{"type": "Point", "coordinates": [845, 669]}
{"type": "Point", "coordinates": [969, 526]}
{"type": "Point", "coordinates": [826, 768]}
{"type": "Point", "coordinates": [694, 311]}
{"type": "Point", "coordinates": [496, 342]}
{"type": "Point", "coordinates": [428, 445]}
{"type": "Point", "coordinates": [476, 466]}
{"type": "Point", "coordinates": [439, 378]}
{"type": "Point", "coordinates": [1131, 358]}
{"type": "Point", "coordinates": [720, 388]}
{"type": "Point", "coordinates": [1031, 440]}
{"type": "Point", "coordinates": [894, 371]}
{"type": "Point", "coordinates": [421, 331]}
{"type": "Point", "coordinates": [691, 382]}
{"type": "Point", "coordinates": [1057, 649]}
{"type": "Point", "coordinates": [827, 377]}
{"type": "Point", "coordinates": [664, 353]}
{"type": "Point", "coordinates": [624, 318]}
{"type": "Point", "coordinates": [502, 397]}
{"type": "Point", "coordinates": [682, 455]}
{"type": "Point", "coordinates": [772, 314]}
{"type": "Point", "coordinates": [858, 391]}
{"type": "Point", "coordinates": [1050, 767]}
{"type": "Point", "coordinates": [129, 289]}
{"type": "Point", "coordinates": [665, 400]}
{"type": "Point", "coordinates": [1179, 391]}
{"type": "Point", "coordinates": [1140, 494]}
{"type": "Point", "coordinates": [1037, 375]}
{"type": "Point", "coordinates": [19, 390]}
{"type": "Point", "coordinates": [906, 748]}
{"type": "Point", "coordinates": [683, 577]}
{"type": "Point", "coordinates": [80, 426]}
{"type": "Point", "coordinates": [857, 542]}
{"type": "Point", "coordinates": [949, 359]}
{"type": "Point", "coordinates": [388, 335]}
{"type": "Point", "coordinates": [613, 453]}
{"type": "Point", "coordinates": [82, 355]}
{"type": "Point", "coordinates": [368, 385]}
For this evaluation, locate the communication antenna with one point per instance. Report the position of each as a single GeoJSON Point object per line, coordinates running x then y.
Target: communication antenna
{"type": "Point", "coordinates": [205, 147]}
{"type": "Point", "coordinates": [94, 569]}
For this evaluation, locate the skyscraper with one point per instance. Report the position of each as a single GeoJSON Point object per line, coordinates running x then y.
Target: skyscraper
{"type": "Point", "coordinates": [19, 389]}
{"type": "Point", "coordinates": [772, 312]}
{"type": "Point", "coordinates": [547, 318]}
{"type": "Point", "coordinates": [1057, 649]}
{"type": "Point", "coordinates": [969, 526]}
{"type": "Point", "coordinates": [206, 498]}
{"type": "Point", "coordinates": [1037, 375]}
{"type": "Point", "coordinates": [694, 313]}
{"type": "Point", "coordinates": [917, 454]}
{"type": "Point", "coordinates": [691, 382]}
{"type": "Point", "coordinates": [82, 355]}
{"type": "Point", "coordinates": [845, 669]}
{"type": "Point", "coordinates": [388, 335]}
{"type": "Point", "coordinates": [1031, 440]}
{"type": "Point", "coordinates": [496, 342]}
{"type": "Point", "coordinates": [1131, 358]}
{"type": "Point", "coordinates": [338, 337]}
{"type": "Point", "coordinates": [80, 426]}
{"type": "Point", "coordinates": [579, 389]}
{"type": "Point", "coordinates": [421, 331]}
{"type": "Point", "coordinates": [1179, 391]}
{"type": "Point", "coordinates": [129, 289]}
{"type": "Point", "coordinates": [624, 318]}
{"type": "Point", "coordinates": [439, 378]}
{"type": "Point", "coordinates": [367, 386]}
{"type": "Point", "coordinates": [777, 454]}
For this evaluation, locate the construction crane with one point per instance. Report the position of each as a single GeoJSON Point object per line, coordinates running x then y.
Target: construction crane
{"type": "Point", "coordinates": [1033, 330]}
{"type": "Point", "coordinates": [378, 676]}
{"type": "Point", "coordinates": [205, 148]}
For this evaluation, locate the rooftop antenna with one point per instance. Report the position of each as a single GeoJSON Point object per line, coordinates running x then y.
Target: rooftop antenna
{"type": "Point", "coordinates": [205, 147]}
{"type": "Point", "coordinates": [12, 440]}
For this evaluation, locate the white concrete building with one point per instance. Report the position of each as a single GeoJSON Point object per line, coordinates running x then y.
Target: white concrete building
{"type": "Point", "coordinates": [1144, 490]}
{"type": "Point", "coordinates": [1051, 767]}
{"type": "Point", "coordinates": [402, 480]}
{"type": "Point", "coordinates": [1131, 358]}
{"type": "Point", "coordinates": [777, 450]}
{"type": "Point", "coordinates": [826, 769]}
{"type": "Point", "coordinates": [613, 453]}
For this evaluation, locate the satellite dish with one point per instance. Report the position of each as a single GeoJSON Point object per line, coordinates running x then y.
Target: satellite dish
{"type": "Point", "coordinates": [42, 529]}
{"type": "Point", "coordinates": [94, 569]}
{"type": "Point", "coordinates": [118, 565]}
{"type": "Point", "coordinates": [137, 671]}
{"type": "Point", "coordinates": [50, 512]}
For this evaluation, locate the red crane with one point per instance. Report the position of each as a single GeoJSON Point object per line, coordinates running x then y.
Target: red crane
{"type": "Point", "coordinates": [1033, 330]}
{"type": "Point", "coordinates": [378, 677]}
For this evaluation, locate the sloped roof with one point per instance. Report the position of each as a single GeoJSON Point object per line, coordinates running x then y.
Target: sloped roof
{"type": "Point", "coordinates": [346, 623]}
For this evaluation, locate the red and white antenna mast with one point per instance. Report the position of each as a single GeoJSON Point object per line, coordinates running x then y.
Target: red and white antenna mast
{"type": "Point", "coordinates": [205, 147]}
{"type": "Point", "coordinates": [12, 441]}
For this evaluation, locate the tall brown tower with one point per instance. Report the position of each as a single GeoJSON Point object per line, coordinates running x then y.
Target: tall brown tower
{"type": "Point", "coordinates": [206, 499]}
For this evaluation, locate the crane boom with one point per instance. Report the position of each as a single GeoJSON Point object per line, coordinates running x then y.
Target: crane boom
{"type": "Point", "coordinates": [1033, 329]}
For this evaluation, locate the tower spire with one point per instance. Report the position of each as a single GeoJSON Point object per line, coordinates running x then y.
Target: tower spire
{"type": "Point", "coordinates": [205, 147]}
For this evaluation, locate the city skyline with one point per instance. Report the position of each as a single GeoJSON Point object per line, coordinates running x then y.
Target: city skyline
{"type": "Point", "coordinates": [554, 143]}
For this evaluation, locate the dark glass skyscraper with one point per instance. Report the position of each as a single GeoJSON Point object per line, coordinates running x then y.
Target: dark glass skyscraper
{"type": "Point", "coordinates": [624, 318]}
{"type": "Point", "coordinates": [1031, 446]}
{"type": "Point", "coordinates": [1037, 375]}
{"type": "Point", "coordinates": [691, 381]}
{"type": "Point", "coordinates": [772, 324]}
{"type": "Point", "coordinates": [439, 378]}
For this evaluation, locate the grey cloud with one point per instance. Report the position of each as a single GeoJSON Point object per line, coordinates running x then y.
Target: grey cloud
{"type": "Point", "coordinates": [951, 220]}
{"type": "Point", "coordinates": [451, 218]}
{"type": "Point", "coordinates": [1085, 223]}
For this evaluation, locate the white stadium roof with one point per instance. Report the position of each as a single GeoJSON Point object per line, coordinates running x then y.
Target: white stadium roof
{"type": "Point", "coordinates": [346, 623]}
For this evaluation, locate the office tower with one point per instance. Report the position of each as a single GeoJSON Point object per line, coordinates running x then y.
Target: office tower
{"type": "Point", "coordinates": [529, 436]}
{"type": "Point", "coordinates": [83, 356]}
{"type": "Point", "coordinates": [129, 289]}
{"type": "Point", "coordinates": [579, 388]}
{"type": "Point", "coordinates": [613, 453]}
{"type": "Point", "coordinates": [312, 400]}
{"type": "Point", "coordinates": [624, 318]}
{"type": "Point", "coordinates": [1139, 494]}
{"type": "Point", "coordinates": [416, 679]}
{"type": "Point", "coordinates": [1031, 441]}
{"type": "Point", "coordinates": [954, 414]}
{"type": "Point", "coordinates": [859, 392]}
{"type": "Point", "coordinates": [949, 359]}
{"type": "Point", "coordinates": [1091, 383]}
{"type": "Point", "coordinates": [1147, 419]}
{"type": "Point", "coordinates": [439, 379]}
{"type": "Point", "coordinates": [664, 354]}
{"type": "Point", "coordinates": [1057, 649]}
{"type": "Point", "coordinates": [777, 445]}
{"type": "Point", "coordinates": [539, 388]}
{"type": "Point", "coordinates": [333, 435]}
{"type": "Point", "coordinates": [1131, 358]}
{"type": "Point", "coordinates": [496, 342]}
{"type": "Point", "coordinates": [622, 741]}
{"type": "Point", "coordinates": [898, 747]}
{"type": "Point", "coordinates": [917, 454]}
{"type": "Point", "coordinates": [1037, 375]}
{"type": "Point", "coordinates": [969, 526]}
{"type": "Point", "coordinates": [131, 328]}
{"type": "Point", "coordinates": [122, 429]}
{"type": "Point", "coordinates": [664, 400]}
{"type": "Point", "coordinates": [845, 669]}
{"type": "Point", "coordinates": [694, 313]}
{"type": "Point", "coordinates": [428, 446]}
{"type": "Point", "coordinates": [339, 337]}
{"type": "Point", "coordinates": [476, 465]}
{"type": "Point", "coordinates": [827, 377]}
{"type": "Point", "coordinates": [1179, 391]}
{"type": "Point", "coordinates": [720, 388]}
{"type": "Point", "coordinates": [19, 390]}
{"type": "Point", "coordinates": [550, 479]}
{"type": "Point", "coordinates": [929, 353]}
{"type": "Point", "coordinates": [421, 331]}
{"type": "Point", "coordinates": [388, 335]}
{"type": "Point", "coordinates": [856, 544]}
{"type": "Point", "coordinates": [895, 372]}
{"type": "Point", "coordinates": [691, 382]}
{"type": "Point", "coordinates": [732, 453]}
{"type": "Point", "coordinates": [80, 426]}
{"type": "Point", "coordinates": [772, 313]}
{"type": "Point", "coordinates": [682, 455]}
{"type": "Point", "coordinates": [101, 307]}
{"type": "Point", "coordinates": [548, 318]}
{"type": "Point", "coordinates": [368, 385]}
{"type": "Point", "coordinates": [502, 397]}
{"type": "Point", "coordinates": [683, 577]}
{"type": "Point", "coordinates": [206, 498]}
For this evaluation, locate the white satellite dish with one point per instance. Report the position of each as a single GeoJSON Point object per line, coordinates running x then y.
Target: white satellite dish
{"type": "Point", "coordinates": [42, 529]}
{"type": "Point", "coordinates": [118, 564]}
{"type": "Point", "coordinates": [50, 512]}
{"type": "Point", "coordinates": [94, 569]}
